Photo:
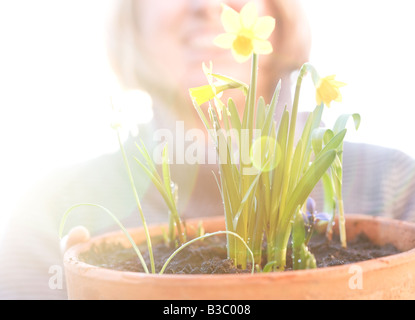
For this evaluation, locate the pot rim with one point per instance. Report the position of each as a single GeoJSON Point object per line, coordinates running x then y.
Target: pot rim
{"type": "Point", "coordinates": [73, 264]}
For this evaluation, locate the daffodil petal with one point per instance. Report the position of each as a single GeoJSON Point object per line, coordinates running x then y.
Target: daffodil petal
{"type": "Point", "coordinates": [339, 97]}
{"type": "Point", "coordinates": [224, 40]}
{"type": "Point", "coordinates": [246, 33]}
{"type": "Point", "coordinates": [329, 92]}
{"type": "Point", "coordinates": [262, 46]}
{"type": "Point", "coordinates": [230, 19]}
{"type": "Point", "coordinates": [249, 15]}
{"type": "Point", "coordinates": [339, 84]}
{"type": "Point", "coordinates": [208, 71]}
{"type": "Point", "coordinates": [264, 27]}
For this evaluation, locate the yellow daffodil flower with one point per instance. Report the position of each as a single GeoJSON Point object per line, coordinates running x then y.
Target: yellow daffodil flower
{"type": "Point", "coordinates": [202, 94]}
{"type": "Point", "coordinates": [327, 90]}
{"type": "Point", "coordinates": [246, 33]}
{"type": "Point", "coordinates": [214, 90]}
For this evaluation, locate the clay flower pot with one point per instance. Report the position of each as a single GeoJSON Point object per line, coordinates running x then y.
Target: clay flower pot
{"type": "Point", "coordinates": [391, 277]}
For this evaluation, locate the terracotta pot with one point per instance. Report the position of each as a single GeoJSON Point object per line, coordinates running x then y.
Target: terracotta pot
{"type": "Point", "coordinates": [391, 277]}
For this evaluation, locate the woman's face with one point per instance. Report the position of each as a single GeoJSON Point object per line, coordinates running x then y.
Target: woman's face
{"type": "Point", "coordinates": [178, 36]}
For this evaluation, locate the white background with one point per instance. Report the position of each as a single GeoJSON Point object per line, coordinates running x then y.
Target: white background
{"type": "Point", "coordinates": [55, 80]}
{"type": "Point", "coordinates": [369, 44]}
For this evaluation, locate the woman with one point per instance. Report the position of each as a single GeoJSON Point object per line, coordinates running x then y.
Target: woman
{"type": "Point", "coordinates": [157, 46]}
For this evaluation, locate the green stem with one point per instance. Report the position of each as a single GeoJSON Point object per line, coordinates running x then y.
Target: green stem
{"type": "Point", "coordinates": [248, 120]}
{"type": "Point", "coordinates": [281, 247]}
{"type": "Point", "coordinates": [252, 95]}
{"type": "Point", "coordinates": [342, 224]}
{"type": "Point", "coordinates": [258, 229]}
{"type": "Point", "coordinates": [270, 247]}
{"type": "Point", "coordinates": [130, 176]}
{"type": "Point", "coordinates": [240, 255]}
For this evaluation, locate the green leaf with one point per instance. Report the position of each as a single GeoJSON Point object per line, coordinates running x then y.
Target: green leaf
{"type": "Point", "coordinates": [334, 143]}
{"type": "Point", "coordinates": [157, 183]}
{"type": "Point", "coordinates": [269, 266]}
{"type": "Point", "coordinates": [201, 115]}
{"type": "Point", "coordinates": [235, 120]}
{"type": "Point", "coordinates": [341, 122]}
{"type": "Point", "coordinates": [301, 256]}
{"type": "Point", "coordinates": [260, 114]}
{"type": "Point", "coordinates": [229, 179]}
{"type": "Point", "coordinates": [269, 117]}
{"type": "Point", "coordinates": [144, 152]}
{"type": "Point", "coordinates": [328, 189]}
{"type": "Point", "coordinates": [319, 137]}
{"type": "Point", "coordinates": [315, 119]}
{"type": "Point", "coordinates": [307, 183]}
{"type": "Point", "coordinates": [307, 130]}
{"type": "Point", "coordinates": [295, 166]}
{"type": "Point", "coordinates": [277, 178]}
{"type": "Point", "coordinates": [166, 172]}
{"type": "Point", "coordinates": [247, 196]}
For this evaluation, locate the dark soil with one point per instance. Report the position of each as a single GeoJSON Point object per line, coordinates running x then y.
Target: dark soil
{"type": "Point", "coordinates": [361, 249]}
{"type": "Point", "coordinates": [209, 256]}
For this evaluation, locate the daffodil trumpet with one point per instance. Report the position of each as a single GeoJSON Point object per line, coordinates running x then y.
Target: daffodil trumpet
{"type": "Point", "coordinates": [327, 90]}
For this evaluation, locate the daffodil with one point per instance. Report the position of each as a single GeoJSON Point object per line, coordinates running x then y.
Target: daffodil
{"type": "Point", "coordinates": [246, 33]}
{"type": "Point", "coordinates": [327, 90]}
{"type": "Point", "coordinates": [202, 94]}
{"type": "Point", "coordinates": [213, 91]}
